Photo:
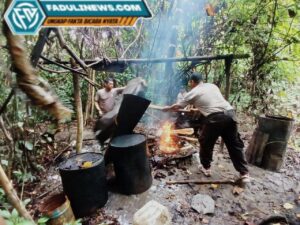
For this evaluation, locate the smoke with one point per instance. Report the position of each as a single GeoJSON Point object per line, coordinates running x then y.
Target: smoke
{"type": "Point", "coordinates": [173, 31]}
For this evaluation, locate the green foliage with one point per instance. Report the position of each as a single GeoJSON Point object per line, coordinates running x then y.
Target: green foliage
{"type": "Point", "coordinates": [43, 220]}
{"type": "Point", "coordinates": [13, 218]}
{"type": "Point", "coordinates": [3, 200]}
{"type": "Point", "coordinates": [23, 176]}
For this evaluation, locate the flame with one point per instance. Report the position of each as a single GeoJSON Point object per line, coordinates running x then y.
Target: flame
{"type": "Point", "coordinates": [167, 144]}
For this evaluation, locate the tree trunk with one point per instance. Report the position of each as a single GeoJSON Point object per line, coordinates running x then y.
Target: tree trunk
{"type": "Point", "coordinates": [88, 100]}
{"type": "Point", "coordinates": [78, 106]}
{"type": "Point", "coordinates": [12, 196]}
{"type": "Point", "coordinates": [93, 95]}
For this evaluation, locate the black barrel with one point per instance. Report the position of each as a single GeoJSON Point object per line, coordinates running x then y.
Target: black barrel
{"type": "Point", "coordinates": [131, 111]}
{"type": "Point", "coordinates": [279, 129]}
{"type": "Point", "coordinates": [132, 167]}
{"type": "Point", "coordinates": [84, 183]}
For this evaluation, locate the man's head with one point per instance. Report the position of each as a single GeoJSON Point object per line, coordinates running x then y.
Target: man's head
{"type": "Point", "coordinates": [108, 84]}
{"type": "Point", "coordinates": [195, 79]}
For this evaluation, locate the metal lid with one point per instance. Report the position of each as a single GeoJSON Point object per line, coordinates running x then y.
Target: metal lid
{"type": "Point", "coordinates": [75, 162]}
{"type": "Point", "coordinates": [126, 141]}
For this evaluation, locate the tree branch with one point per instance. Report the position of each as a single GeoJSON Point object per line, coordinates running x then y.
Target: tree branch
{"type": "Point", "coordinates": [11, 94]}
{"type": "Point", "coordinates": [83, 75]}
{"type": "Point", "coordinates": [135, 40]}
{"type": "Point", "coordinates": [53, 71]}
{"type": "Point", "coordinates": [63, 45]}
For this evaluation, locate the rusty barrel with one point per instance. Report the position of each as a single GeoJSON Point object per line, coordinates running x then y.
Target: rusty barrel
{"type": "Point", "coordinates": [279, 130]}
{"type": "Point", "coordinates": [57, 208]}
{"type": "Point", "coordinates": [131, 164]}
{"type": "Point", "coordinates": [84, 182]}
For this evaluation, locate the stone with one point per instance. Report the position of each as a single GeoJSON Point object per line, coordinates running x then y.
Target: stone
{"type": "Point", "coordinates": [153, 213]}
{"type": "Point", "coordinates": [203, 204]}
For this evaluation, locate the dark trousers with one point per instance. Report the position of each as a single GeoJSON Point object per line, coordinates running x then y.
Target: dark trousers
{"type": "Point", "coordinates": [222, 125]}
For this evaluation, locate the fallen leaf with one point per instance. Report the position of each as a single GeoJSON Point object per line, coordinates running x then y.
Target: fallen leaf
{"type": "Point", "coordinates": [215, 186]}
{"type": "Point", "coordinates": [87, 165]}
{"type": "Point", "coordinates": [288, 206]}
{"type": "Point", "coordinates": [244, 216]}
{"type": "Point", "coordinates": [237, 190]}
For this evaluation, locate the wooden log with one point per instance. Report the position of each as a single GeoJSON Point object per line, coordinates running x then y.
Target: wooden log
{"type": "Point", "coordinates": [184, 131]}
{"type": "Point", "coordinates": [188, 138]}
{"type": "Point", "coordinates": [232, 182]}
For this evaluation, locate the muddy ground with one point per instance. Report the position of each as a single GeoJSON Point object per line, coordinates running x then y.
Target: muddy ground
{"type": "Point", "coordinates": [266, 195]}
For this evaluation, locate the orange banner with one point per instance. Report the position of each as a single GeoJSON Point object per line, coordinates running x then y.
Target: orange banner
{"type": "Point", "coordinates": [89, 21]}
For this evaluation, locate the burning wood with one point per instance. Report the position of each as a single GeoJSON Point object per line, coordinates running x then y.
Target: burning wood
{"type": "Point", "coordinates": [191, 139]}
{"type": "Point", "coordinates": [167, 143]}
{"type": "Point", "coordinates": [184, 131]}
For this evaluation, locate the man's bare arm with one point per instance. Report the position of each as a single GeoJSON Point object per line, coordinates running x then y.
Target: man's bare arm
{"type": "Point", "coordinates": [173, 107]}
{"type": "Point", "coordinates": [119, 90]}
{"type": "Point", "coordinates": [98, 108]}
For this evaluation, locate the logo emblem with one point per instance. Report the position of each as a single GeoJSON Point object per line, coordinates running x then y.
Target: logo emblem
{"type": "Point", "coordinates": [24, 17]}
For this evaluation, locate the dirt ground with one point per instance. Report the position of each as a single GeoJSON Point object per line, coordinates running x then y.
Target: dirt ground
{"type": "Point", "coordinates": [266, 195]}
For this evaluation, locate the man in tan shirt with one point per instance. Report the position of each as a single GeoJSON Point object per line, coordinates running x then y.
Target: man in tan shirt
{"type": "Point", "coordinates": [219, 121]}
{"type": "Point", "coordinates": [105, 97]}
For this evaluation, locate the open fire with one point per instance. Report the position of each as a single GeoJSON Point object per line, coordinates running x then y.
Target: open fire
{"type": "Point", "coordinates": [167, 142]}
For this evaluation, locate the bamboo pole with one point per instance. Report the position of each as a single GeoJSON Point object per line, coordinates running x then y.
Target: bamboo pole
{"type": "Point", "coordinates": [12, 196]}
{"type": "Point", "coordinates": [78, 106]}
